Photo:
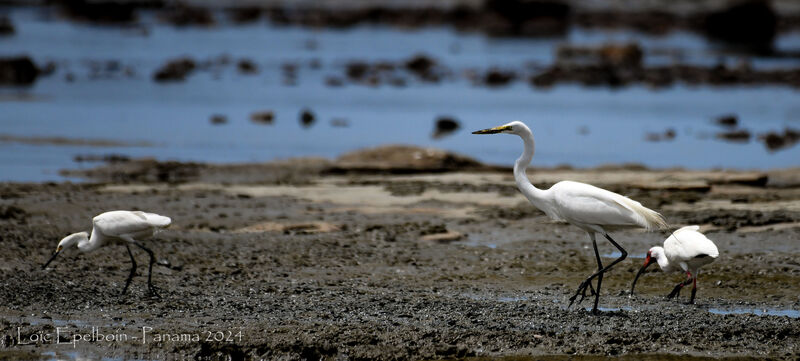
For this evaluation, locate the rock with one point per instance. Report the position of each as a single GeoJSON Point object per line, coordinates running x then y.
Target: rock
{"type": "Point", "coordinates": [446, 237]}
{"type": "Point", "coordinates": [758, 35]}
{"type": "Point", "coordinates": [175, 70]}
{"type": "Point", "coordinates": [184, 15]}
{"type": "Point", "coordinates": [616, 55]}
{"type": "Point", "coordinates": [776, 141]}
{"type": "Point", "coordinates": [18, 70]}
{"type": "Point", "coordinates": [402, 159]}
{"type": "Point", "coordinates": [526, 18]}
{"type": "Point", "coordinates": [423, 67]}
{"type": "Point", "coordinates": [307, 118]}
{"type": "Point", "coordinates": [445, 126]}
{"type": "Point", "coordinates": [218, 119]}
{"type": "Point", "coordinates": [741, 135]}
{"type": "Point", "coordinates": [247, 66]}
{"type": "Point", "coordinates": [108, 12]}
{"type": "Point", "coordinates": [245, 15]}
{"type": "Point", "coordinates": [729, 121]}
{"type": "Point", "coordinates": [264, 117]}
{"type": "Point", "coordinates": [108, 158]}
{"type": "Point", "coordinates": [497, 77]}
{"type": "Point", "coordinates": [6, 27]}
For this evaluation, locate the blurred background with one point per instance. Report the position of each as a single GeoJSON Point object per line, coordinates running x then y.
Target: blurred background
{"type": "Point", "coordinates": [661, 83]}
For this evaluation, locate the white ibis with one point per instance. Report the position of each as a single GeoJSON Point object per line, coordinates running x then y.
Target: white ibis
{"type": "Point", "coordinates": [118, 227]}
{"type": "Point", "coordinates": [687, 250]}
{"type": "Point", "coordinates": [591, 209]}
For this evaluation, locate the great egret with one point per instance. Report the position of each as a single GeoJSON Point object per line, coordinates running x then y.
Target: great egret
{"type": "Point", "coordinates": [591, 209]}
{"type": "Point", "coordinates": [120, 227]}
{"type": "Point", "coordinates": [686, 249]}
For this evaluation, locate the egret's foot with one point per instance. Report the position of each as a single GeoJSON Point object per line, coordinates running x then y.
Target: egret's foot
{"type": "Point", "coordinates": [152, 292]}
{"type": "Point", "coordinates": [581, 291]}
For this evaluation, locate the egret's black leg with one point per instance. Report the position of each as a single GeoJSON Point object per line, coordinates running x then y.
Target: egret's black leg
{"type": "Point", "coordinates": [600, 271]}
{"type": "Point", "coordinates": [133, 271]}
{"type": "Point", "coordinates": [150, 270]}
{"type": "Point", "coordinates": [599, 277]}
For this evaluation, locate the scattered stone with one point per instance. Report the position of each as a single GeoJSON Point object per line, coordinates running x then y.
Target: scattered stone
{"type": "Point", "coordinates": [668, 134]}
{"type": "Point", "coordinates": [739, 136]}
{"type": "Point", "coordinates": [445, 126]}
{"type": "Point", "coordinates": [247, 66]}
{"type": "Point", "coordinates": [18, 70]}
{"type": "Point", "coordinates": [264, 117]}
{"type": "Point", "coordinates": [175, 70]}
{"type": "Point", "coordinates": [775, 141]}
{"type": "Point", "coordinates": [333, 81]}
{"type": "Point", "coordinates": [423, 67]}
{"type": "Point", "coordinates": [307, 118]}
{"type": "Point", "coordinates": [729, 121]}
{"type": "Point", "coordinates": [614, 55]}
{"type": "Point", "coordinates": [218, 119]}
{"type": "Point", "coordinates": [446, 237]}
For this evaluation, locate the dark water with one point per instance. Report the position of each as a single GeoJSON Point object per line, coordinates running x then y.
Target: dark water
{"type": "Point", "coordinates": [573, 125]}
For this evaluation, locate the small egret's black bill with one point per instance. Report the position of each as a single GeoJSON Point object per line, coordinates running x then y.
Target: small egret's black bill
{"type": "Point", "coordinates": [51, 259]}
{"type": "Point", "coordinates": [494, 130]}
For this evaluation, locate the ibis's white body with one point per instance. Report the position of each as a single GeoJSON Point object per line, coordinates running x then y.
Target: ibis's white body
{"type": "Point", "coordinates": [685, 250]}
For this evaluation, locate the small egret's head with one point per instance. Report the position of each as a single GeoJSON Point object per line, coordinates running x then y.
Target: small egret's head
{"type": "Point", "coordinates": [515, 127]}
{"type": "Point", "coordinates": [67, 242]}
{"type": "Point", "coordinates": [652, 257]}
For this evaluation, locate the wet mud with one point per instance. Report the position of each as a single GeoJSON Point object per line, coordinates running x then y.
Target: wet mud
{"type": "Point", "coordinates": [291, 261]}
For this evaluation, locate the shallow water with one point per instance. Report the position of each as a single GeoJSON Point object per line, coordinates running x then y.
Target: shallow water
{"type": "Point", "coordinates": [756, 311]}
{"type": "Point", "coordinates": [573, 125]}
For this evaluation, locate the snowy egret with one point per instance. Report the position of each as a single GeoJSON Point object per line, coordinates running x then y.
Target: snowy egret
{"type": "Point", "coordinates": [591, 209]}
{"type": "Point", "coordinates": [121, 227]}
{"type": "Point", "coordinates": [686, 249]}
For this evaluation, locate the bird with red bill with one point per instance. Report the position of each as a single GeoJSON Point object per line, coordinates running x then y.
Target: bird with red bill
{"type": "Point", "coordinates": [685, 250]}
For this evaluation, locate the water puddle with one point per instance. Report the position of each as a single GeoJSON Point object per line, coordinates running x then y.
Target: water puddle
{"type": "Point", "coordinates": [617, 254]}
{"type": "Point", "coordinates": [610, 309]}
{"type": "Point", "coordinates": [756, 311]}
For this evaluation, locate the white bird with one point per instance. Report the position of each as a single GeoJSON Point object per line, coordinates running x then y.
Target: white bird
{"type": "Point", "coordinates": [686, 249]}
{"type": "Point", "coordinates": [592, 209]}
{"type": "Point", "coordinates": [118, 227]}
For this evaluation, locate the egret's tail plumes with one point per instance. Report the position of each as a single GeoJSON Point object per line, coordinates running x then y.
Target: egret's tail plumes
{"type": "Point", "coordinates": [645, 217]}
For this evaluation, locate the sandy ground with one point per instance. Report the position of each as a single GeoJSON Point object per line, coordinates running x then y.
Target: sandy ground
{"type": "Point", "coordinates": [292, 261]}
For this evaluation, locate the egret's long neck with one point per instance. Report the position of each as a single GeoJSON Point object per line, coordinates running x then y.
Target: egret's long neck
{"type": "Point", "coordinates": [91, 243]}
{"type": "Point", "coordinates": [534, 195]}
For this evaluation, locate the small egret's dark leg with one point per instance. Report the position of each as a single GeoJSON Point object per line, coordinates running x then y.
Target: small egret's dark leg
{"type": "Point", "coordinates": [587, 281]}
{"type": "Point", "coordinates": [150, 270]}
{"type": "Point", "coordinates": [133, 271]}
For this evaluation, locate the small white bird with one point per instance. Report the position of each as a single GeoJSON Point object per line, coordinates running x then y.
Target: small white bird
{"type": "Point", "coordinates": [118, 227]}
{"type": "Point", "coordinates": [592, 209]}
{"type": "Point", "coordinates": [686, 249]}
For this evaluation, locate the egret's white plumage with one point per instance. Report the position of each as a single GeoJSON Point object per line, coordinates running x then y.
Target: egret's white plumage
{"type": "Point", "coordinates": [592, 209]}
{"type": "Point", "coordinates": [124, 227]}
{"type": "Point", "coordinates": [684, 250]}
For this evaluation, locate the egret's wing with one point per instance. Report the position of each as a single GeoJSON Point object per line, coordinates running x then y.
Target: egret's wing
{"type": "Point", "coordinates": [116, 223]}
{"type": "Point", "coordinates": [155, 220]}
{"type": "Point", "coordinates": [687, 243]}
{"type": "Point", "coordinates": [588, 204]}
